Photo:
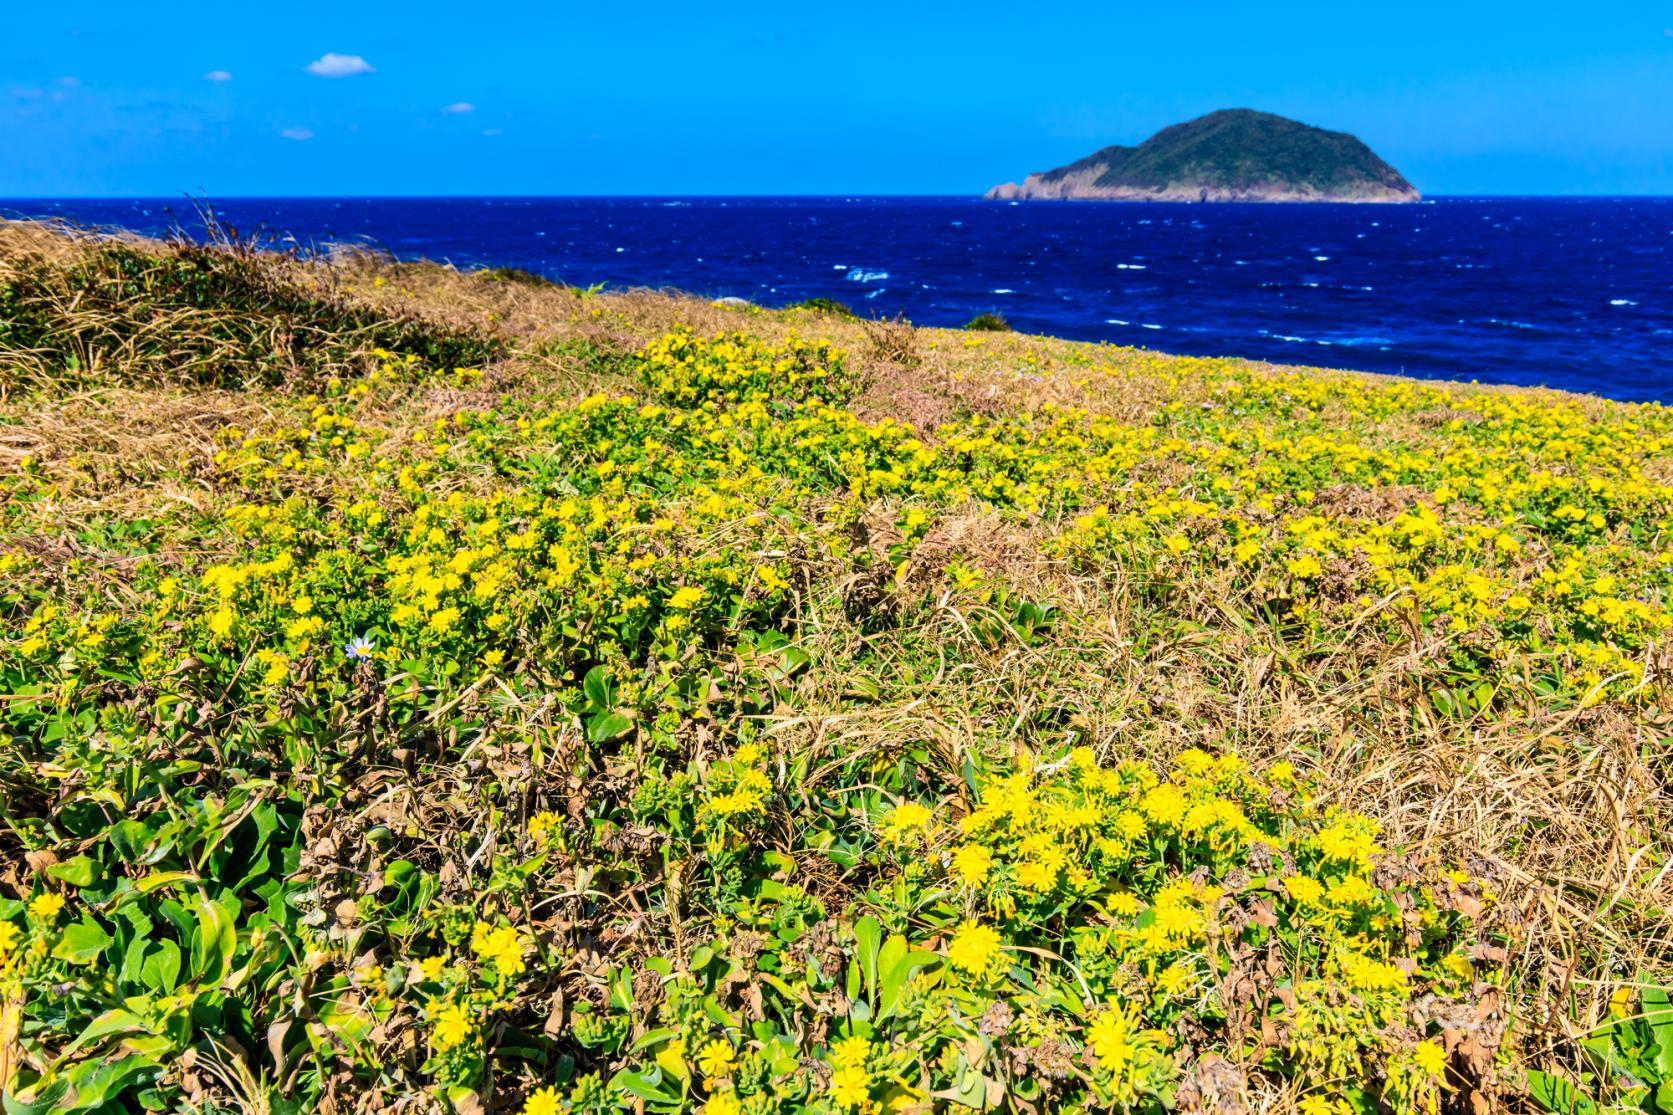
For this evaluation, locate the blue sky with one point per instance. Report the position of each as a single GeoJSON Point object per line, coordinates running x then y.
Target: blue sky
{"type": "Point", "coordinates": [107, 99]}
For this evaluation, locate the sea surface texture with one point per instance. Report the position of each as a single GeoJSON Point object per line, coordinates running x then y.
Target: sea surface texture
{"type": "Point", "coordinates": [1575, 293]}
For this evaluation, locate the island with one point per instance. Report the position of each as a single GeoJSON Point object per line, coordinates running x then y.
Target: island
{"type": "Point", "coordinates": [1231, 155]}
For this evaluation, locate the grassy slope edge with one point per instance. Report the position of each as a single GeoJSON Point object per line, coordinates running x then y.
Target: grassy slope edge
{"type": "Point", "coordinates": [429, 690]}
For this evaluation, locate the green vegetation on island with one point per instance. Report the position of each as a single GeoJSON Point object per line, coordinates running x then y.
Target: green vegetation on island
{"type": "Point", "coordinates": [433, 691]}
{"type": "Point", "coordinates": [1230, 155]}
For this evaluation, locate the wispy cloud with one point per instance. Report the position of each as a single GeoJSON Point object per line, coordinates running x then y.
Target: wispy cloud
{"type": "Point", "coordinates": [217, 75]}
{"type": "Point", "coordinates": [297, 133]}
{"type": "Point", "coordinates": [458, 107]}
{"type": "Point", "coordinates": [339, 65]}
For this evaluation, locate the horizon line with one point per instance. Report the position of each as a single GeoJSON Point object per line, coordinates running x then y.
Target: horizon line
{"type": "Point", "coordinates": [841, 195]}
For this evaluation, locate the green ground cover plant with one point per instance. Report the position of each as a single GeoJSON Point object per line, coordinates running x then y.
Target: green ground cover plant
{"type": "Point", "coordinates": [545, 700]}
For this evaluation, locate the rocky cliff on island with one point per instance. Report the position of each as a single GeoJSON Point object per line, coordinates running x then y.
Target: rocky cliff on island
{"type": "Point", "coordinates": [1231, 155]}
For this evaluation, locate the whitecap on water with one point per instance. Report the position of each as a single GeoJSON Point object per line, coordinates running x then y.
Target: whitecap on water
{"type": "Point", "coordinates": [1003, 290]}
{"type": "Point", "coordinates": [1622, 302]}
{"type": "Point", "coordinates": [861, 275]}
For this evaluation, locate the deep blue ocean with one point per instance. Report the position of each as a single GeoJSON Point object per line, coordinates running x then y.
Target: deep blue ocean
{"type": "Point", "coordinates": [1568, 292]}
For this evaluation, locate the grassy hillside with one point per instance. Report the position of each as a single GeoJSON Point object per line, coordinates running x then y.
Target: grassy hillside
{"type": "Point", "coordinates": [431, 691]}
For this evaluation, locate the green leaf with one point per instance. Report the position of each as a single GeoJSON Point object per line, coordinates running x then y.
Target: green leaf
{"type": "Point", "coordinates": [82, 942]}
{"type": "Point", "coordinates": [599, 692]}
{"type": "Point", "coordinates": [108, 1023]}
{"type": "Point", "coordinates": [654, 1037]}
{"type": "Point", "coordinates": [95, 1083]}
{"type": "Point", "coordinates": [1557, 1095]}
{"type": "Point", "coordinates": [1658, 1012]}
{"type": "Point", "coordinates": [891, 963]}
{"type": "Point", "coordinates": [216, 941]}
{"type": "Point", "coordinates": [159, 879]}
{"type": "Point", "coordinates": [869, 937]}
{"type": "Point", "coordinates": [621, 988]}
{"type": "Point", "coordinates": [607, 726]}
{"type": "Point", "coordinates": [645, 1085]}
{"type": "Point", "coordinates": [78, 872]}
{"type": "Point", "coordinates": [161, 970]}
{"type": "Point", "coordinates": [895, 978]}
{"type": "Point", "coordinates": [43, 1099]}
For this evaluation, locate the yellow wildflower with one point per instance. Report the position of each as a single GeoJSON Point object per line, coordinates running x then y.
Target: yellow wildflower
{"type": "Point", "coordinates": [451, 1027]}
{"type": "Point", "coordinates": [850, 1086]}
{"type": "Point", "coordinates": [715, 1059]}
{"type": "Point", "coordinates": [723, 1103]}
{"type": "Point", "coordinates": [972, 863]}
{"type": "Point", "coordinates": [1110, 1039]}
{"type": "Point", "coordinates": [543, 1101]}
{"type": "Point", "coordinates": [685, 598]}
{"type": "Point", "coordinates": [903, 822]}
{"type": "Point", "coordinates": [1430, 1058]}
{"type": "Point", "coordinates": [45, 907]}
{"type": "Point", "coordinates": [974, 948]}
{"type": "Point", "coordinates": [851, 1051]}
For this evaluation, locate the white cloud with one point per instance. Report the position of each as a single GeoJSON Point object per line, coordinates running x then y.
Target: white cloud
{"type": "Point", "coordinates": [339, 65]}
{"type": "Point", "coordinates": [217, 75]}
{"type": "Point", "coordinates": [458, 107]}
{"type": "Point", "coordinates": [297, 133]}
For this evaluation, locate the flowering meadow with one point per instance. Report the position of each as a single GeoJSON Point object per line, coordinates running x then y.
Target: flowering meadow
{"type": "Point", "coordinates": [432, 691]}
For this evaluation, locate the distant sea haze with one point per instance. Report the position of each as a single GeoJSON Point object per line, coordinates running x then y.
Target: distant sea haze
{"type": "Point", "coordinates": [1575, 293]}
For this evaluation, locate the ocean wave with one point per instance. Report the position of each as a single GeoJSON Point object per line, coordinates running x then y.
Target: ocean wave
{"type": "Point", "coordinates": [1132, 267]}
{"type": "Point", "coordinates": [1003, 290]}
{"type": "Point", "coordinates": [860, 275]}
{"type": "Point", "coordinates": [1622, 302]}
{"type": "Point", "coordinates": [1293, 339]}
